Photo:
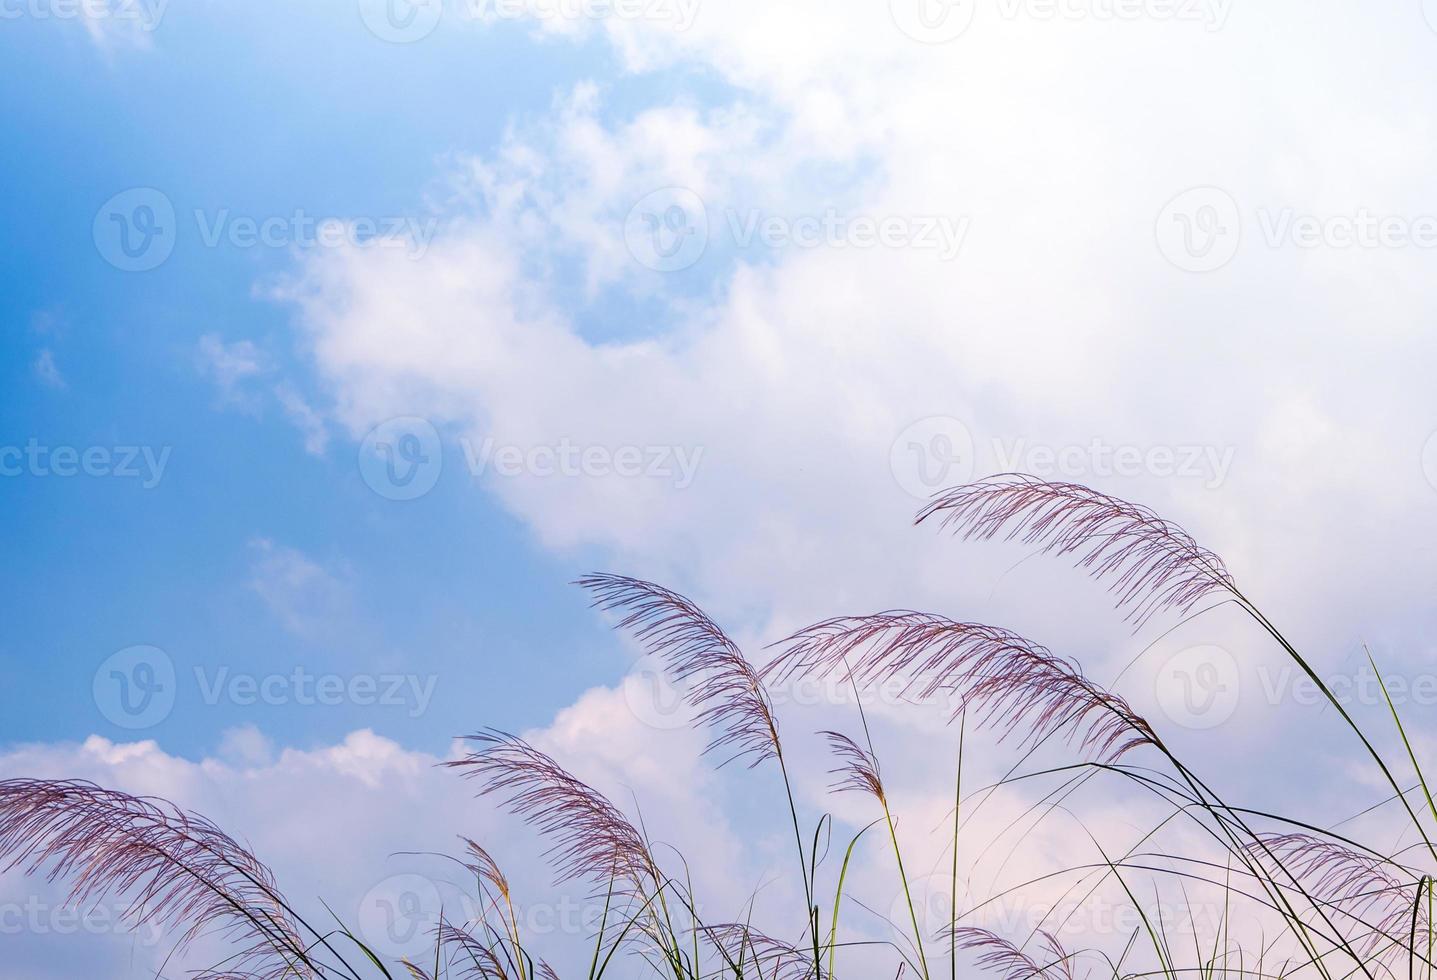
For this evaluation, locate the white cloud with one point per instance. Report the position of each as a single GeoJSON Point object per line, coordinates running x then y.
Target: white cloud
{"type": "Point", "coordinates": [309, 422]}
{"type": "Point", "coordinates": [244, 375]}
{"type": "Point", "coordinates": [325, 820]}
{"type": "Point", "coordinates": [231, 367]}
{"type": "Point", "coordinates": [245, 746]}
{"type": "Point", "coordinates": [356, 823]}
{"type": "Point", "coordinates": [305, 596]}
{"type": "Point", "coordinates": [344, 822]}
{"type": "Point", "coordinates": [48, 371]}
{"type": "Point", "coordinates": [1060, 325]}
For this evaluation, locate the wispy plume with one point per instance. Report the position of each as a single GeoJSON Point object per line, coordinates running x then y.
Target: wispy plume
{"type": "Point", "coordinates": [1000, 678]}
{"type": "Point", "coordinates": [594, 841]}
{"type": "Point", "coordinates": [858, 768]}
{"type": "Point", "coordinates": [469, 956]}
{"type": "Point", "coordinates": [1011, 963]}
{"type": "Point", "coordinates": [464, 956]}
{"type": "Point", "coordinates": [719, 681]}
{"type": "Point", "coordinates": [1374, 894]}
{"type": "Point", "coordinates": [768, 957]}
{"type": "Point", "coordinates": [1150, 564]}
{"type": "Point", "coordinates": [485, 868]}
{"type": "Point", "coordinates": [176, 870]}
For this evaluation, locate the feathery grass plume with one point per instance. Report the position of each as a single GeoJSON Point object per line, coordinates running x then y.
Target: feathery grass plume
{"type": "Point", "coordinates": [772, 959]}
{"type": "Point", "coordinates": [859, 767]}
{"type": "Point", "coordinates": [470, 957]}
{"type": "Point", "coordinates": [594, 841]}
{"type": "Point", "coordinates": [1002, 678]}
{"type": "Point", "coordinates": [176, 870]}
{"type": "Point", "coordinates": [1152, 563]}
{"type": "Point", "coordinates": [1010, 962]}
{"type": "Point", "coordinates": [728, 692]}
{"type": "Point", "coordinates": [485, 868]}
{"type": "Point", "coordinates": [1043, 694]}
{"type": "Point", "coordinates": [860, 772]}
{"type": "Point", "coordinates": [1365, 887]}
{"type": "Point", "coordinates": [926, 650]}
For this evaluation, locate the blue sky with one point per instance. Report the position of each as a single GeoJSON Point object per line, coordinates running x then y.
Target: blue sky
{"type": "Point", "coordinates": [719, 305]}
{"type": "Point", "coordinates": [446, 584]}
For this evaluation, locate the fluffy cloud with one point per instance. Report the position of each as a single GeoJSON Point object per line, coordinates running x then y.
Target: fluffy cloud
{"type": "Point", "coordinates": [360, 823]}
{"type": "Point", "coordinates": [47, 371]}
{"type": "Point", "coordinates": [1061, 340]}
{"type": "Point", "coordinates": [358, 826]}
{"type": "Point", "coordinates": [820, 385]}
{"type": "Point", "coordinates": [245, 374]}
{"type": "Point", "coordinates": [305, 596]}
{"type": "Point", "coordinates": [1095, 163]}
{"type": "Point", "coordinates": [294, 810]}
{"type": "Point", "coordinates": [336, 822]}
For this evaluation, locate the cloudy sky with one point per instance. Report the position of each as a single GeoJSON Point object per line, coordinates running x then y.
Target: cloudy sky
{"type": "Point", "coordinates": [340, 337]}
